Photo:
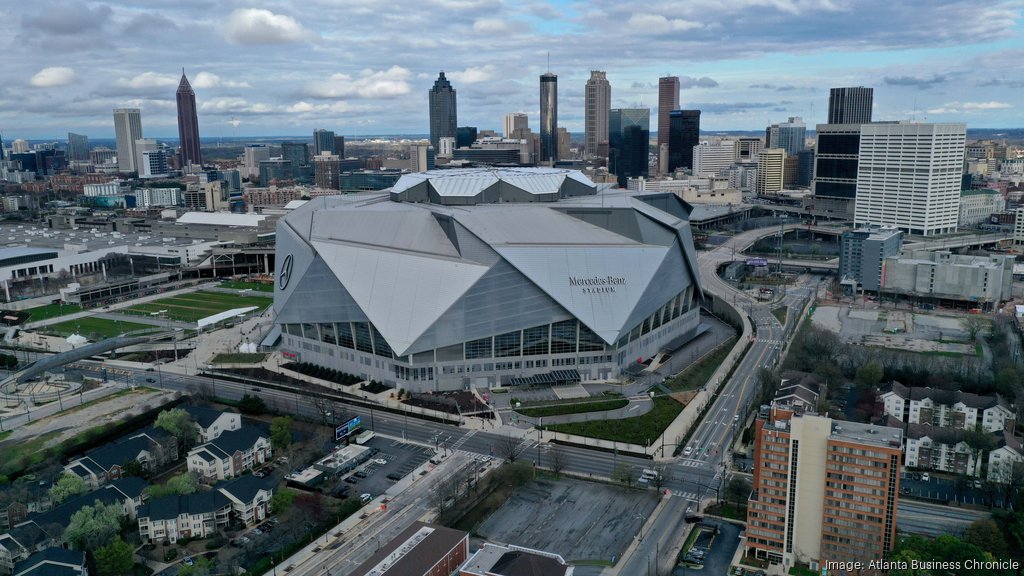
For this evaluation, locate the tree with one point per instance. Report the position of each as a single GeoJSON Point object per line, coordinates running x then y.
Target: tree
{"type": "Point", "coordinates": [559, 459]}
{"type": "Point", "coordinates": [737, 490]}
{"type": "Point", "coordinates": [974, 325]}
{"type": "Point", "coordinates": [94, 526]}
{"type": "Point", "coordinates": [985, 534]}
{"type": "Point", "coordinates": [1008, 382]}
{"type": "Point", "coordinates": [179, 424]}
{"type": "Point", "coordinates": [869, 375]}
{"type": "Point", "coordinates": [114, 559]}
{"type": "Point", "coordinates": [664, 475]}
{"type": "Point", "coordinates": [281, 501]}
{"type": "Point", "coordinates": [201, 567]}
{"type": "Point", "coordinates": [281, 432]}
{"type": "Point", "coordinates": [250, 404]}
{"type": "Point", "coordinates": [623, 475]}
{"type": "Point", "coordinates": [134, 468]}
{"type": "Point", "coordinates": [184, 483]}
{"type": "Point", "coordinates": [66, 486]}
{"type": "Point", "coordinates": [510, 447]}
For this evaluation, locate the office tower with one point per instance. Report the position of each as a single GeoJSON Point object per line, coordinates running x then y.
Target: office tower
{"type": "Point", "coordinates": [102, 155]}
{"type": "Point", "coordinates": [683, 135]}
{"type": "Point", "coordinates": [790, 136]}
{"type": "Point", "coordinates": [629, 133]}
{"type": "Point", "coordinates": [515, 121]}
{"type": "Point", "coordinates": [327, 167]}
{"type": "Point", "coordinates": [20, 146]}
{"type": "Point", "coordinates": [747, 148]}
{"type": "Point", "coordinates": [275, 169]}
{"type": "Point", "coordinates": [564, 144]}
{"type": "Point", "coordinates": [805, 167]}
{"type": "Point", "coordinates": [323, 141]}
{"type": "Point", "coordinates": [908, 176]}
{"type": "Point", "coordinates": [298, 154]}
{"type": "Point", "coordinates": [771, 164]}
{"type": "Point", "coordinates": [152, 162]}
{"type": "Point", "coordinates": [143, 145]}
{"type": "Point", "coordinates": [443, 110]}
{"type": "Point", "coordinates": [188, 124]}
{"type": "Point", "coordinates": [78, 147]}
{"type": "Point", "coordinates": [446, 147]}
{"type": "Point", "coordinates": [712, 159]}
{"type": "Point", "coordinates": [850, 105]}
{"type": "Point", "coordinates": [127, 129]}
{"type": "Point", "coordinates": [339, 146]}
{"type": "Point", "coordinates": [548, 118]}
{"type": "Point", "coordinates": [254, 154]}
{"type": "Point", "coordinates": [2, 153]}
{"type": "Point", "coordinates": [421, 157]}
{"type": "Point", "coordinates": [823, 490]}
{"type": "Point", "coordinates": [834, 182]}
{"type": "Point", "coordinates": [668, 100]}
{"type": "Point", "coordinates": [597, 101]}
{"type": "Point", "coordinates": [464, 137]}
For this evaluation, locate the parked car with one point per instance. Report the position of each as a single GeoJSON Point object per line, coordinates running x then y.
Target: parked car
{"type": "Point", "coordinates": [380, 461]}
{"type": "Point", "coordinates": [365, 498]}
{"type": "Point", "coordinates": [394, 476]}
{"type": "Point", "coordinates": [925, 477]}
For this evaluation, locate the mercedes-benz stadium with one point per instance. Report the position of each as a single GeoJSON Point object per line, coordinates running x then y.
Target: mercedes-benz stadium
{"type": "Point", "coordinates": [486, 277]}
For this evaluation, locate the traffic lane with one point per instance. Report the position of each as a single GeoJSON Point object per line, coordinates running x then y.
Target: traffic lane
{"type": "Point", "coordinates": [655, 553]}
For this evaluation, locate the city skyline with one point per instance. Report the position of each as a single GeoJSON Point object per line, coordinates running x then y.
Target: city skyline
{"type": "Point", "coordinates": [285, 71]}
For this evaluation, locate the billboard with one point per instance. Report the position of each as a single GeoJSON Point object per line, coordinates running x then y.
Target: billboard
{"type": "Point", "coordinates": [347, 429]}
{"type": "Point", "coordinates": [757, 262]}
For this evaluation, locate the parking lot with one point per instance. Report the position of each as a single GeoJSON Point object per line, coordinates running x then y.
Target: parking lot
{"type": "Point", "coordinates": [940, 489]}
{"type": "Point", "coordinates": [393, 461]}
{"type": "Point", "coordinates": [716, 545]}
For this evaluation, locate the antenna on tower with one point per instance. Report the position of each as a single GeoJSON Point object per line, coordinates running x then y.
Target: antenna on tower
{"type": "Point", "coordinates": [549, 62]}
{"type": "Point", "coordinates": [913, 115]}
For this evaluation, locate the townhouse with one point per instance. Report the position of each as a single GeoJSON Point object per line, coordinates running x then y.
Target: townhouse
{"type": "Point", "coordinates": [947, 408]}
{"type": "Point", "coordinates": [230, 454]}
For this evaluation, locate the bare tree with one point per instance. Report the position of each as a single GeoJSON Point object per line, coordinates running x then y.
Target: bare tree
{"type": "Point", "coordinates": [974, 325]}
{"type": "Point", "coordinates": [664, 475]}
{"type": "Point", "coordinates": [623, 475]}
{"type": "Point", "coordinates": [559, 459]}
{"type": "Point", "coordinates": [510, 447]}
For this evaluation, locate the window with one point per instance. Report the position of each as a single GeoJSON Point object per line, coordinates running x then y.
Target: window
{"type": "Point", "coordinates": [478, 348]}
{"type": "Point", "coordinates": [536, 341]}
{"type": "Point", "coordinates": [345, 335]}
{"type": "Point", "coordinates": [563, 337]}
{"type": "Point", "coordinates": [363, 339]}
{"type": "Point", "coordinates": [380, 345]}
{"type": "Point", "coordinates": [327, 333]}
{"type": "Point", "coordinates": [507, 344]}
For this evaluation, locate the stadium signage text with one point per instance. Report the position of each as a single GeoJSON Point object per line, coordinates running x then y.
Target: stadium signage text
{"type": "Point", "coordinates": [597, 284]}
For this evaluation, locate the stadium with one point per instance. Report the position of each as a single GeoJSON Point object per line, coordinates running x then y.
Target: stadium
{"type": "Point", "coordinates": [486, 277]}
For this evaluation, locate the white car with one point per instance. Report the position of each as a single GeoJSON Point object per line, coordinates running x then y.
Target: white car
{"type": "Point", "coordinates": [925, 477]}
{"type": "Point", "coordinates": [380, 461]}
{"type": "Point", "coordinates": [688, 451]}
{"type": "Point", "coordinates": [365, 498]}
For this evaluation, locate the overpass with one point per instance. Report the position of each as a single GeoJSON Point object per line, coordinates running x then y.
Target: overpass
{"type": "Point", "coordinates": [959, 241]}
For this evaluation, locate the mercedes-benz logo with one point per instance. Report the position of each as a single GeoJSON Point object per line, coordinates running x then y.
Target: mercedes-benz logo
{"type": "Point", "coordinates": [286, 272]}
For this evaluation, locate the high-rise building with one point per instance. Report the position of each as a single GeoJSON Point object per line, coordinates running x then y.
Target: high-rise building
{"type": "Point", "coordinates": [711, 159]}
{"type": "Point", "coordinates": [446, 147]}
{"type": "Point", "coordinates": [254, 154]}
{"type": "Point", "coordinates": [629, 133]}
{"type": "Point", "coordinates": [668, 100]}
{"type": "Point", "coordinates": [747, 148]}
{"type": "Point", "coordinates": [908, 176]}
{"type": "Point", "coordinates": [323, 141]}
{"type": "Point", "coordinates": [327, 167]}
{"type": "Point", "coordinates": [548, 118]}
{"type": "Point", "coordinates": [790, 136]}
{"type": "Point", "coordinates": [862, 254]}
{"type": "Point", "coordinates": [127, 129]}
{"type": "Point", "coordinates": [78, 147]}
{"type": "Point", "coordinates": [515, 121]}
{"type": "Point", "coordinates": [152, 163]}
{"type": "Point", "coordinates": [102, 155]}
{"type": "Point", "coordinates": [850, 105]}
{"type": "Point", "coordinates": [188, 124]}
{"type": "Point", "coordinates": [143, 145]}
{"type": "Point", "coordinates": [834, 182]}
{"type": "Point", "coordinates": [805, 167]}
{"type": "Point", "coordinates": [683, 135]}
{"type": "Point", "coordinates": [421, 157]}
{"type": "Point", "coordinates": [339, 146]}
{"type": "Point", "coordinates": [771, 167]}
{"type": "Point", "coordinates": [823, 490]}
{"type": "Point", "coordinates": [443, 110]}
{"type": "Point", "coordinates": [2, 153]}
{"type": "Point", "coordinates": [564, 144]}
{"type": "Point", "coordinates": [298, 154]}
{"type": "Point", "coordinates": [464, 137]}
{"type": "Point", "coordinates": [20, 146]}
{"type": "Point", "coordinates": [597, 101]}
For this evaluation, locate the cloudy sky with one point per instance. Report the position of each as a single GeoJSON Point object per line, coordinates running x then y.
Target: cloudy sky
{"type": "Point", "coordinates": [360, 67]}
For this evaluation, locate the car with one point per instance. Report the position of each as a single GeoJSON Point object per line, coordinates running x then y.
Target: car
{"type": "Point", "coordinates": [150, 369]}
{"type": "Point", "coordinates": [360, 474]}
{"type": "Point", "coordinates": [906, 490]}
{"type": "Point", "coordinates": [380, 461]}
{"type": "Point", "coordinates": [351, 480]}
{"type": "Point", "coordinates": [925, 477]}
{"type": "Point", "coordinates": [364, 498]}
{"type": "Point", "coordinates": [977, 484]}
{"type": "Point", "coordinates": [188, 561]}
{"type": "Point", "coordinates": [255, 389]}
{"type": "Point", "coordinates": [150, 380]}
{"type": "Point", "coordinates": [688, 451]}
{"type": "Point", "coordinates": [394, 476]}
{"type": "Point", "coordinates": [736, 417]}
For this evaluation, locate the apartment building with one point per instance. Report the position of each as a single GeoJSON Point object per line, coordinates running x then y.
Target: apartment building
{"type": "Point", "coordinates": [947, 408]}
{"type": "Point", "coordinates": [230, 454]}
{"type": "Point", "coordinates": [938, 448]}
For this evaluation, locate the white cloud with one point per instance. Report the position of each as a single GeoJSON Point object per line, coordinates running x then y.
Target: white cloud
{"type": "Point", "coordinates": [148, 80]}
{"type": "Point", "coordinates": [53, 76]}
{"type": "Point", "coordinates": [968, 107]}
{"type": "Point", "coordinates": [304, 107]}
{"type": "Point", "coordinates": [491, 25]}
{"type": "Point", "coordinates": [211, 80]}
{"type": "Point", "coordinates": [986, 105]}
{"type": "Point", "coordinates": [370, 84]}
{"type": "Point", "coordinates": [232, 105]}
{"type": "Point", "coordinates": [257, 26]}
{"type": "Point", "coordinates": [474, 75]}
{"type": "Point", "coordinates": [658, 24]}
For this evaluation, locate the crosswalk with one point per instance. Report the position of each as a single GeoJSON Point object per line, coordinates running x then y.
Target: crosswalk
{"type": "Point", "coordinates": [462, 440]}
{"type": "Point", "coordinates": [691, 496]}
{"type": "Point", "coordinates": [692, 463]}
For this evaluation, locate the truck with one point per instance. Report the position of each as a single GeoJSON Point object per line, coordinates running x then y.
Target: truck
{"type": "Point", "coordinates": [365, 437]}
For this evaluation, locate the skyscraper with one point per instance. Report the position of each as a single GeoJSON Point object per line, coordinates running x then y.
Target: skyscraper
{"type": "Point", "coordinates": [548, 118]}
{"type": "Point", "coordinates": [629, 133]}
{"type": "Point", "coordinates": [78, 147]}
{"type": "Point", "coordinates": [597, 101]}
{"type": "Point", "coordinates": [254, 154]}
{"type": "Point", "coordinates": [683, 135]}
{"type": "Point", "coordinates": [188, 124]}
{"type": "Point", "coordinates": [771, 164]}
{"type": "Point", "coordinates": [443, 110]}
{"type": "Point", "coordinates": [464, 136]}
{"type": "Point", "coordinates": [323, 141]}
{"type": "Point", "coordinates": [2, 147]}
{"type": "Point", "coordinates": [127, 129]}
{"type": "Point", "coordinates": [850, 105]}
{"type": "Point", "coordinates": [339, 146]}
{"type": "Point", "coordinates": [327, 167]}
{"type": "Point", "coordinates": [515, 121]}
{"type": "Point", "coordinates": [668, 100]}
{"type": "Point", "coordinates": [790, 136]}
{"type": "Point", "coordinates": [834, 182]}
{"type": "Point", "coordinates": [298, 154]}
{"type": "Point", "coordinates": [908, 176]}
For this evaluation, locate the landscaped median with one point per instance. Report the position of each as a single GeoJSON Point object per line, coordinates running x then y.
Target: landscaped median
{"type": "Point", "coordinates": [573, 407]}
{"type": "Point", "coordinates": [640, 430]}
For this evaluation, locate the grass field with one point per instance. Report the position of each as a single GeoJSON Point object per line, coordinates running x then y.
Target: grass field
{"type": "Point", "coordinates": [94, 328]}
{"type": "Point", "coordinates": [780, 314]}
{"type": "Point", "coordinates": [697, 375]}
{"type": "Point", "coordinates": [254, 286]}
{"type": "Point", "coordinates": [238, 358]}
{"type": "Point", "coordinates": [574, 408]}
{"type": "Point", "coordinates": [636, 430]}
{"type": "Point", "coordinates": [191, 307]}
{"type": "Point", "coordinates": [51, 311]}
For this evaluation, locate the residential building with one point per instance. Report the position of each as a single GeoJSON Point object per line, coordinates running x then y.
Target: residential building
{"type": "Point", "coordinates": [19, 543]}
{"type": "Point", "coordinates": [908, 176]}
{"type": "Point", "coordinates": [947, 408]}
{"type": "Point", "coordinates": [1006, 460]}
{"type": "Point", "coordinates": [327, 170]}
{"type": "Point", "coordinates": [771, 164]}
{"type": "Point", "coordinates": [712, 159]}
{"type": "Point", "coordinates": [324, 141]}
{"type": "Point", "coordinates": [212, 423]}
{"type": "Point", "coordinates": [188, 124]}
{"type": "Point", "coordinates": [977, 206]}
{"type": "Point", "coordinates": [548, 118]}
{"type": "Point", "coordinates": [850, 105]}
{"type": "Point", "coordinates": [229, 454]}
{"type": "Point", "coordinates": [53, 561]}
{"type": "Point", "coordinates": [419, 550]}
{"type": "Point", "coordinates": [298, 154]}
{"type": "Point", "coordinates": [253, 155]}
{"type": "Point", "coordinates": [443, 110]}
{"type": "Point", "coordinates": [151, 447]}
{"type": "Point", "coordinates": [683, 135]}
{"type": "Point", "coordinates": [209, 197]}
{"type": "Point", "coordinates": [153, 164]}
{"type": "Point", "coordinates": [597, 101]}
{"type": "Point", "coordinates": [127, 129]}
{"type": "Point", "coordinates": [515, 121]}
{"type": "Point", "coordinates": [497, 560]}
{"type": "Point", "coordinates": [147, 197]}
{"type": "Point", "coordinates": [938, 448]}
{"type": "Point", "coordinates": [250, 498]}
{"type": "Point", "coordinates": [421, 157]}
{"type": "Point", "coordinates": [143, 145]}
{"type": "Point", "coordinates": [834, 182]}
{"type": "Point", "coordinates": [823, 490]}
{"type": "Point", "coordinates": [1018, 227]}
{"type": "Point", "coordinates": [446, 147]}
{"type": "Point", "coordinates": [668, 100]}
{"type": "Point", "coordinates": [790, 136]}
{"type": "Point", "coordinates": [78, 147]}
{"type": "Point", "coordinates": [629, 132]}
{"type": "Point", "coordinates": [747, 149]}
{"type": "Point", "coordinates": [177, 517]}
{"type": "Point", "coordinates": [862, 254]}
{"type": "Point", "coordinates": [105, 189]}
{"type": "Point", "coordinates": [982, 281]}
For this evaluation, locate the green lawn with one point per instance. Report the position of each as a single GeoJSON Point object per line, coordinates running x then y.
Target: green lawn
{"type": "Point", "coordinates": [636, 430]}
{"type": "Point", "coordinates": [51, 311]}
{"type": "Point", "coordinates": [574, 408]}
{"type": "Point", "coordinates": [255, 286]}
{"type": "Point", "coordinates": [94, 328]}
{"type": "Point", "coordinates": [780, 314]}
{"type": "Point", "coordinates": [698, 374]}
{"type": "Point", "coordinates": [238, 358]}
{"type": "Point", "coordinates": [191, 307]}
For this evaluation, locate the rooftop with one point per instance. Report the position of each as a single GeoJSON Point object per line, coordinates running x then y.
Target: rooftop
{"type": "Point", "coordinates": [413, 552]}
{"type": "Point", "coordinates": [857, 432]}
{"type": "Point", "coordinates": [26, 239]}
{"type": "Point", "coordinates": [464, 186]}
{"type": "Point", "coordinates": [514, 561]}
{"type": "Point", "coordinates": [221, 219]}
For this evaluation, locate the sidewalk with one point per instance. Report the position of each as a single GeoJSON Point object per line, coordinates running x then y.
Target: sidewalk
{"type": "Point", "coordinates": [635, 543]}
